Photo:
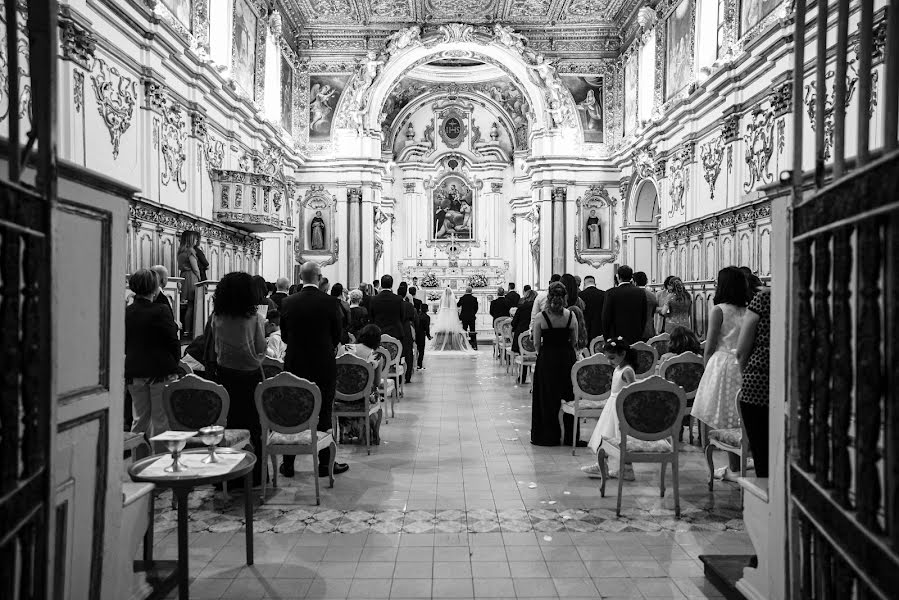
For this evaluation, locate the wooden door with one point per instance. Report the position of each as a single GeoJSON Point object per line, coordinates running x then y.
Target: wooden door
{"type": "Point", "coordinates": [844, 460]}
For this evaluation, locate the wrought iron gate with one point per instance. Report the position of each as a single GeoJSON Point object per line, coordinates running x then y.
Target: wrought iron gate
{"type": "Point", "coordinates": [27, 192]}
{"type": "Point", "coordinates": [844, 462]}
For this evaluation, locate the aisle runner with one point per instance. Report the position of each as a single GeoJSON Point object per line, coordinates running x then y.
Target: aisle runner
{"type": "Point", "coordinates": [220, 516]}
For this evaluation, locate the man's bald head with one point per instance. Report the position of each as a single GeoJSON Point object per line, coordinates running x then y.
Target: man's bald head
{"type": "Point", "coordinates": [283, 284]}
{"type": "Point", "coordinates": [162, 274]}
{"type": "Point", "coordinates": [310, 272]}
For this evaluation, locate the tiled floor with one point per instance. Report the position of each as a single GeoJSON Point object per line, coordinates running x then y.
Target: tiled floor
{"type": "Point", "coordinates": [456, 503]}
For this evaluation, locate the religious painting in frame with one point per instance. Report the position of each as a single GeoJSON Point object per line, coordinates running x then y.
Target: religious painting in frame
{"type": "Point", "coordinates": [243, 57]}
{"type": "Point", "coordinates": [286, 95]}
{"type": "Point", "coordinates": [631, 82]}
{"type": "Point", "coordinates": [452, 202]}
{"type": "Point", "coordinates": [679, 48]}
{"type": "Point", "coordinates": [182, 10]}
{"type": "Point", "coordinates": [752, 12]}
{"type": "Point", "coordinates": [589, 99]}
{"type": "Point", "coordinates": [324, 94]}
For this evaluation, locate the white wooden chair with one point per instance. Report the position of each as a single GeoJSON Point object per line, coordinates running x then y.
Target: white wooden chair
{"type": "Point", "coordinates": [732, 440]}
{"type": "Point", "coordinates": [355, 385]}
{"type": "Point", "coordinates": [647, 358]}
{"type": "Point", "coordinates": [526, 358]}
{"type": "Point", "coordinates": [660, 343]}
{"type": "Point", "coordinates": [595, 345]}
{"type": "Point", "coordinates": [288, 411]}
{"type": "Point", "coordinates": [649, 416]}
{"type": "Point", "coordinates": [685, 370]}
{"type": "Point", "coordinates": [498, 335]}
{"type": "Point", "coordinates": [506, 344]}
{"type": "Point", "coordinates": [386, 387]}
{"type": "Point", "coordinates": [397, 368]}
{"type": "Point", "coordinates": [591, 379]}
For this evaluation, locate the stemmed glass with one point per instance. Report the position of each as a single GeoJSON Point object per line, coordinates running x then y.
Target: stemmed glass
{"type": "Point", "coordinates": [211, 436]}
{"type": "Point", "coordinates": [175, 447]}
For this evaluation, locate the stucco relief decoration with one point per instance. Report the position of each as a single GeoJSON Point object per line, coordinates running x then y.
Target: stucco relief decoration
{"type": "Point", "coordinates": [402, 39]}
{"type": "Point", "coordinates": [78, 91]}
{"type": "Point", "coordinates": [644, 163]}
{"type": "Point", "coordinates": [78, 43]}
{"type": "Point", "coordinates": [508, 37]}
{"type": "Point", "coordinates": [534, 217]}
{"type": "Point", "coordinates": [359, 90]}
{"type": "Point", "coordinates": [380, 217]}
{"type": "Point", "coordinates": [712, 154]}
{"type": "Point", "coordinates": [453, 128]}
{"type": "Point", "coordinates": [173, 136]}
{"type": "Point", "coordinates": [116, 95]}
{"type": "Point", "coordinates": [677, 169]}
{"type": "Point", "coordinates": [759, 142]}
{"type": "Point", "coordinates": [559, 109]}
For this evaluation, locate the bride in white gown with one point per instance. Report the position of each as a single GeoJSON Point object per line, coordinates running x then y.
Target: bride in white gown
{"type": "Point", "coordinates": [448, 333]}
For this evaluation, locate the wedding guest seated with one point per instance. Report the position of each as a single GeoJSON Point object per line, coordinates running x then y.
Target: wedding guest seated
{"type": "Point", "coordinates": [368, 341]}
{"type": "Point", "coordinates": [358, 313]}
{"type": "Point", "coordinates": [275, 347]}
{"type": "Point", "coordinates": [682, 340]}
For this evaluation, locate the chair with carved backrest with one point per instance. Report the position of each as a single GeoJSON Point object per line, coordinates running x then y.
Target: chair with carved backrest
{"type": "Point", "coordinates": [498, 335]}
{"type": "Point", "coordinates": [732, 440]}
{"type": "Point", "coordinates": [647, 358]}
{"type": "Point", "coordinates": [386, 387]}
{"type": "Point", "coordinates": [184, 369]}
{"type": "Point", "coordinates": [660, 343]}
{"type": "Point", "coordinates": [272, 366]}
{"type": "Point", "coordinates": [288, 412]}
{"type": "Point", "coordinates": [650, 413]}
{"type": "Point", "coordinates": [596, 344]}
{"type": "Point", "coordinates": [192, 403]}
{"type": "Point", "coordinates": [526, 358]}
{"type": "Point", "coordinates": [396, 370]}
{"type": "Point", "coordinates": [505, 346]}
{"type": "Point", "coordinates": [591, 380]}
{"type": "Point", "coordinates": [685, 370]}
{"type": "Point", "coordinates": [355, 386]}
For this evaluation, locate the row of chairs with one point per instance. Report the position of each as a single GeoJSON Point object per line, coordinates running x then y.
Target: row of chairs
{"type": "Point", "coordinates": [519, 362]}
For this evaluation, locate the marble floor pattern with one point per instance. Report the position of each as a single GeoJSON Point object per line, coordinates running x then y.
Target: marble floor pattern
{"type": "Point", "coordinates": [456, 503]}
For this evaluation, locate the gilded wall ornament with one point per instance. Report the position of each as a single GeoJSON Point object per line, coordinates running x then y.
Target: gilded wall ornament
{"type": "Point", "coordinates": [173, 135]}
{"type": "Point", "coordinates": [730, 128]}
{"type": "Point", "coordinates": [78, 91]}
{"type": "Point", "coordinates": [759, 142]}
{"type": "Point", "coordinates": [711, 154]}
{"type": "Point", "coordinates": [198, 127]}
{"type": "Point", "coordinates": [678, 170]}
{"type": "Point", "coordinates": [596, 262]}
{"type": "Point", "coordinates": [810, 101]}
{"type": "Point", "coordinates": [78, 43]}
{"type": "Point", "coordinates": [644, 163]}
{"type": "Point", "coordinates": [116, 95]}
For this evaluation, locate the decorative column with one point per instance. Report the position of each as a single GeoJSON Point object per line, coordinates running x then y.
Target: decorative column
{"type": "Point", "coordinates": [354, 236]}
{"type": "Point", "coordinates": [558, 231]}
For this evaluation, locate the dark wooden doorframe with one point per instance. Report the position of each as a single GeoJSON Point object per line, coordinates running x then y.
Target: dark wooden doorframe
{"type": "Point", "coordinates": [27, 194]}
{"type": "Point", "coordinates": [843, 466]}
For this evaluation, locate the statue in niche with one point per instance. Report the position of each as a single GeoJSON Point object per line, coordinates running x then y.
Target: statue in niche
{"type": "Point", "coordinates": [429, 134]}
{"type": "Point", "coordinates": [594, 233]}
{"type": "Point", "coordinates": [317, 228]}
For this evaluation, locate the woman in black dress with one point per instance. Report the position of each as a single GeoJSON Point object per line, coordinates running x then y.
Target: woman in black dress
{"type": "Point", "coordinates": [555, 337]}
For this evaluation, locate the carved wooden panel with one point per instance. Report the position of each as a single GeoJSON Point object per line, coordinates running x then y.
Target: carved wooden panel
{"type": "Point", "coordinates": [214, 257]}
{"type": "Point", "coordinates": [764, 251]}
{"type": "Point", "coordinates": [711, 264]}
{"type": "Point", "coordinates": [745, 255]}
{"type": "Point", "coordinates": [146, 249]}
{"type": "Point", "coordinates": [168, 249]}
{"type": "Point", "coordinates": [726, 250]}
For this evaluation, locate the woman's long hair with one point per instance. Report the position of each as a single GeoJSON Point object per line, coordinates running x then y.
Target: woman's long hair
{"type": "Point", "coordinates": [557, 298]}
{"type": "Point", "coordinates": [570, 284]}
{"type": "Point", "coordinates": [235, 296]}
{"type": "Point", "coordinates": [732, 287]}
{"type": "Point", "coordinates": [680, 292]}
{"type": "Point", "coordinates": [189, 239]}
{"type": "Point", "coordinates": [528, 296]}
{"type": "Point", "coordinates": [261, 289]}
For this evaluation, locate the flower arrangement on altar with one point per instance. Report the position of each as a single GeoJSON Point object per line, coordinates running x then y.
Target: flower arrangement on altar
{"type": "Point", "coordinates": [477, 281]}
{"type": "Point", "coordinates": [430, 281]}
{"type": "Point", "coordinates": [433, 296]}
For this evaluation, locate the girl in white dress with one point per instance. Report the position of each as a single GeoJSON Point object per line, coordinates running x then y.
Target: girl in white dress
{"type": "Point", "coordinates": [715, 404]}
{"type": "Point", "coordinates": [619, 354]}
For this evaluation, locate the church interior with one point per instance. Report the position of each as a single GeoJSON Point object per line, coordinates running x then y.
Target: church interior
{"type": "Point", "coordinates": [480, 147]}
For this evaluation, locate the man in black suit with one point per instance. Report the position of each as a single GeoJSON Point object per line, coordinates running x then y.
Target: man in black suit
{"type": "Point", "coordinates": [593, 301]}
{"type": "Point", "coordinates": [386, 310]}
{"type": "Point", "coordinates": [415, 301]}
{"type": "Point", "coordinates": [624, 309]}
{"type": "Point", "coordinates": [499, 307]}
{"type": "Point", "coordinates": [311, 326]}
{"type": "Point", "coordinates": [468, 312]}
{"type": "Point", "coordinates": [162, 277]}
{"type": "Point", "coordinates": [280, 293]}
{"type": "Point", "coordinates": [512, 297]}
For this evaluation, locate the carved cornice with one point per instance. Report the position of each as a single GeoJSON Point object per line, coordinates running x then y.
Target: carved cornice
{"type": "Point", "coordinates": [143, 212]}
{"type": "Point", "coordinates": [714, 224]}
{"type": "Point", "coordinates": [78, 43]}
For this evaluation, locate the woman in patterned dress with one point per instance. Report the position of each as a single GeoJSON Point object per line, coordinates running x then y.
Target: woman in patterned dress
{"type": "Point", "coordinates": [677, 309]}
{"type": "Point", "coordinates": [753, 354]}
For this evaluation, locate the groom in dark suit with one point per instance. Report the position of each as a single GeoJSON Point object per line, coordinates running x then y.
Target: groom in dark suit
{"type": "Point", "coordinates": [468, 312]}
{"type": "Point", "coordinates": [386, 309]}
{"type": "Point", "coordinates": [624, 309]}
{"type": "Point", "coordinates": [311, 323]}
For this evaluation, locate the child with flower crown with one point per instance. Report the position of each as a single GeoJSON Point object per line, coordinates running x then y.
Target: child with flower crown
{"type": "Point", "coordinates": [624, 359]}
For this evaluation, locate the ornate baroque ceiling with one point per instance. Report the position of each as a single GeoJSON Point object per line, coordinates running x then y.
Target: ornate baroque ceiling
{"type": "Point", "coordinates": [556, 27]}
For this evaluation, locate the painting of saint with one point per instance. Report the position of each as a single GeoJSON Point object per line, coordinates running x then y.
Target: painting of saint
{"type": "Point", "coordinates": [324, 93]}
{"type": "Point", "coordinates": [286, 95]}
{"type": "Point", "coordinates": [453, 210]}
{"type": "Point", "coordinates": [181, 9]}
{"type": "Point", "coordinates": [244, 57]}
{"type": "Point", "coordinates": [630, 93]}
{"type": "Point", "coordinates": [753, 11]}
{"type": "Point", "coordinates": [679, 49]}
{"type": "Point", "coordinates": [317, 232]}
{"type": "Point", "coordinates": [594, 233]}
{"type": "Point", "coordinates": [587, 92]}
